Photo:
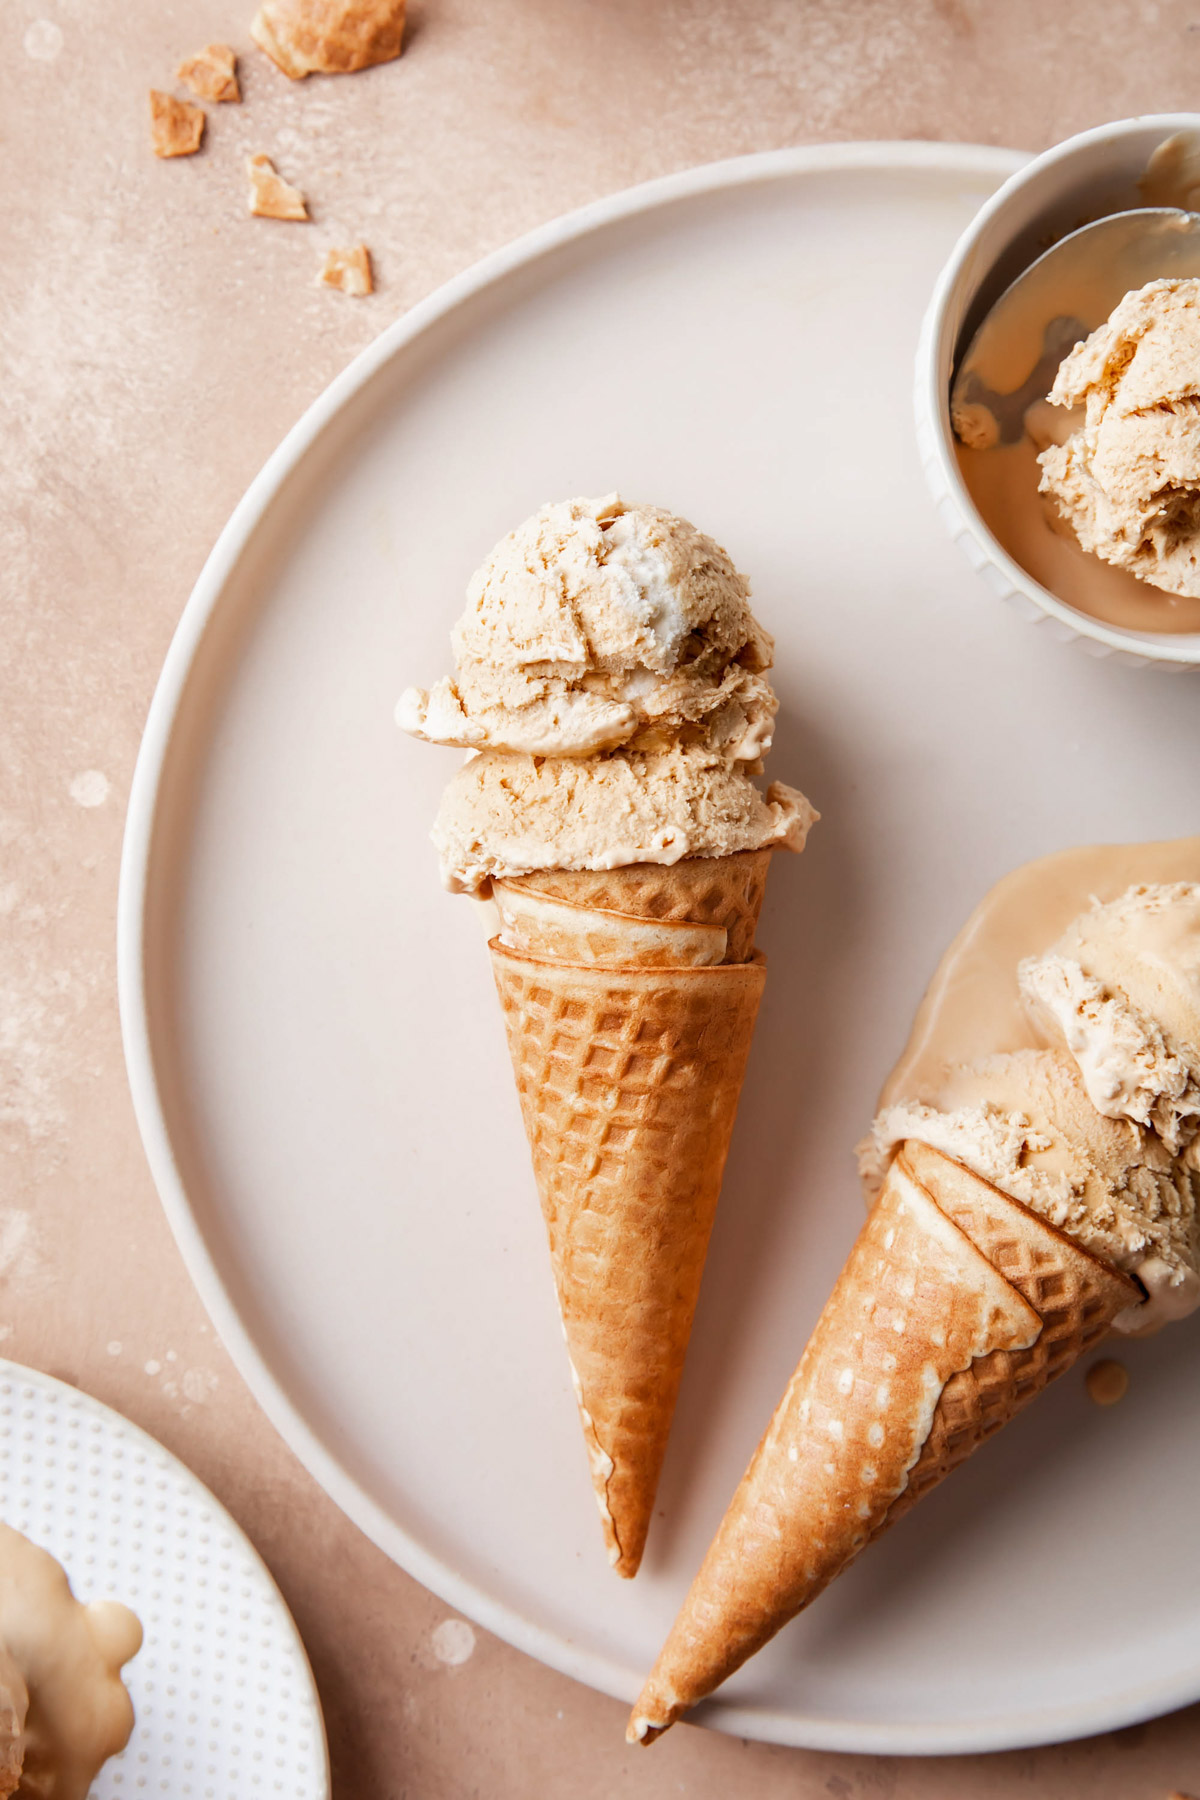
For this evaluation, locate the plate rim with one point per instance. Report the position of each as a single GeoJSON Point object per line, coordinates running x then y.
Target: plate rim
{"type": "Point", "coordinates": [793, 1728]}
{"type": "Point", "coordinates": [70, 1395]}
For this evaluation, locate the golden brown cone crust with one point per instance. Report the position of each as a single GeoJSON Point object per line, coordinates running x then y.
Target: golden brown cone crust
{"type": "Point", "coordinates": [271, 197]}
{"type": "Point", "coordinates": [629, 1080]}
{"type": "Point", "coordinates": [704, 890]}
{"type": "Point", "coordinates": [811, 1500]}
{"type": "Point", "coordinates": [1076, 1295]}
{"type": "Point", "coordinates": [557, 930]}
{"type": "Point", "coordinates": [211, 74]}
{"type": "Point", "coordinates": [176, 126]}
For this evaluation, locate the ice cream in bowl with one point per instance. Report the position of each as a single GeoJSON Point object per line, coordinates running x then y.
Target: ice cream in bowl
{"type": "Point", "coordinates": [1058, 390]}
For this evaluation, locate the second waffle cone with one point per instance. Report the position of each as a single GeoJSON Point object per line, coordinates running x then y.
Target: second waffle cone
{"type": "Point", "coordinates": [629, 1064]}
{"type": "Point", "coordinates": [956, 1306]}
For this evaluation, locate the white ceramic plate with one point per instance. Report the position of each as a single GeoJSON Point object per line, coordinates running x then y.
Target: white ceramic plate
{"type": "Point", "coordinates": [224, 1696]}
{"type": "Point", "coordinates": [316, 1054]}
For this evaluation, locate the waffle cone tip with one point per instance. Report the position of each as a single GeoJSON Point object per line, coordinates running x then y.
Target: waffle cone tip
{"type": "Point", "coordinates": [648, 1721]}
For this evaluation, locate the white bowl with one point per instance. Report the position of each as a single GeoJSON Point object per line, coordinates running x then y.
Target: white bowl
{"type": "Point", "coordinates": [1082, 179]}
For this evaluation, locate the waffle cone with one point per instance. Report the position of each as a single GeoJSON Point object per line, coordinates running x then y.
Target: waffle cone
{"type": "Point", "coordinates": [629, 1073]}
{"type": "Point", "coordinates": [1075, 1294]}
{"type": "Point", "coordinates": [955, 1307]}
{"type": "Point", "coordinates": [726, 891]}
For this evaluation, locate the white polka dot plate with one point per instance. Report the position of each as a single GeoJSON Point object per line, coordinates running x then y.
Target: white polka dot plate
{"type": "Point", "coordinates": [226, 1704]}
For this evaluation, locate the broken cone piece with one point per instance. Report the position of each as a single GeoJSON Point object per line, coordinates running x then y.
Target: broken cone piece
{"type": "Point", "coordinates": [349, 271]}
{"type": "Point", "coordinates": [212, 74]}
{"type": "Point", "coordinates": [176, 126]}
{"type": "Point", "coordinates": [270, 195]}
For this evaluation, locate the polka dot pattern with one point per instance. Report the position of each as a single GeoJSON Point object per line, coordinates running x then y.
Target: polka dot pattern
{"type": "Point", "coordinates": [225, 1700]}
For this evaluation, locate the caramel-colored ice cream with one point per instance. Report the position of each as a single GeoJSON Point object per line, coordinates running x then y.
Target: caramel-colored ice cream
{"type": "Point", "coordinates": [1121, 989]}
{"type": "Point", "coordinates": [505, 814]}
{"type": "Point", "coordinates": [610, 676]}
{"type": "Point", "coordinates": [1127, 482]}
{"type": "Point", "coordinates": [1024, 1122]}
{"type": "Point", "coordinates": [595, 624]}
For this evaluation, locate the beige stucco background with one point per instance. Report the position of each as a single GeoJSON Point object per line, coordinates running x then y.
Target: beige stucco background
{"type": "Point", "coordinates": [156, 344]}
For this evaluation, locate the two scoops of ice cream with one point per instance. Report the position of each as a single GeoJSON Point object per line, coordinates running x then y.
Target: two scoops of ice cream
{"type": "Point", "coordinates": [611, 678]}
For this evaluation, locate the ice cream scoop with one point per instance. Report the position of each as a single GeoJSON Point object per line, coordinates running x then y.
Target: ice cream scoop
{"type": "Point", "coordinates": [596, 624]}
{"type": "Point", "coordinates": [505, 814]}
{"type": "Point", "coordinates": [1121, 990]}
{"type": "Point", "coordinates": [1127, 478]}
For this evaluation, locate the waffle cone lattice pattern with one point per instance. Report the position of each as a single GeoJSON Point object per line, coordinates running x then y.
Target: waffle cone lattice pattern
{"type": "Point", "coordinates": [956, 1306]}
{"type": "Point", "coordinates": [1075, 1294]}
{"type": "Point", "coordinates": [704, 890]}
{"type": "Point", "coordinates": [629, 1081]}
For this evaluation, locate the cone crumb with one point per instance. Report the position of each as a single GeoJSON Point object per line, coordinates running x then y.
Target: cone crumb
{"type": "Point", "coordinates": [270, 195]}
{"type": "Point", "coordinates": [176, 126]}
{"type": "Point", "coordinates": [349, 271]}
{"type": "Point", "coordinates": [212, 74]}
{"type": "Point", "coordinates": [1107, 1383]}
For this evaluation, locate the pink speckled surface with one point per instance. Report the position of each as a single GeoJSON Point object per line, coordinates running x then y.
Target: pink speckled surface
{"type": "Point", "coordinates": [157, 342]}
